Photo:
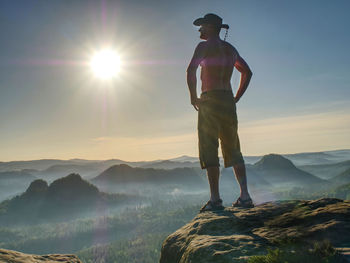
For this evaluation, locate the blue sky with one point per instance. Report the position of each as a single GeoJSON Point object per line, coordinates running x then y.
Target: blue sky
{"type": "Point", "coordinates": [51, 106]}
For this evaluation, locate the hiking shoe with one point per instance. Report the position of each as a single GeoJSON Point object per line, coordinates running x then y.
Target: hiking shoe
{"type": "Point", "coordinates": [243, 203]}
{"type": "Point", "coordinates": [212, 206]}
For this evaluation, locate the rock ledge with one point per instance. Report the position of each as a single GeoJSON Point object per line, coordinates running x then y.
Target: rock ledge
{"type": "Point", "coordinates": [235, 234]}
{"type": "Point", "coordinates": [18, 257]}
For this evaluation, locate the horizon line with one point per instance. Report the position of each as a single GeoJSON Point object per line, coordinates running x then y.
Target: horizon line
{"type": "Point", "coordinates": [155, 160]}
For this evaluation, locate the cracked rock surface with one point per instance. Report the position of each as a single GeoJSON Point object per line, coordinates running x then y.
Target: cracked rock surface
{"type": "Point", "coordinates": [234, 234]}
{"type": "Point", "coordinates": [18, 257]}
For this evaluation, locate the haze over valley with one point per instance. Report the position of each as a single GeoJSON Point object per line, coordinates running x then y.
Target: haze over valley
{"type": "Point", "coordinates": [116, 205]}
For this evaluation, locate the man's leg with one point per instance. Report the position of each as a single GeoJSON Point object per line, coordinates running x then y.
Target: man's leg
{"type": "Point", "coordinates": [208, 143]}
{"type": "Point", "coordinates": [240, 173]}
{"type": "Point", "coordinates": [213, 178]}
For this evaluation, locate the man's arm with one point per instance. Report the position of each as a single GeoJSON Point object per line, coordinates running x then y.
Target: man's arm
{"type": "Point", "coordinates": [246, 75]}
{"type": "Point", "coordinates": [191, 74]}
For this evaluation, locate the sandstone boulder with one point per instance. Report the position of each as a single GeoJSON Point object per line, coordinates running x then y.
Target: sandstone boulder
{"type": "Point", "coordinates": [18, 257]}
{"type": "Point", "coordinates": [235, 234]}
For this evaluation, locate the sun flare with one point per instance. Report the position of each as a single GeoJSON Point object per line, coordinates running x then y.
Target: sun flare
{"type": "Point", "coordinates": [105, 64]}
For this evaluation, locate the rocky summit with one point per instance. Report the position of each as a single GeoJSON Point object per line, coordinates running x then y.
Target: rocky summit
{"type": "Point", "coordinates": [18, 257]}
{"type": "Point", "coordinates": [236, 234]}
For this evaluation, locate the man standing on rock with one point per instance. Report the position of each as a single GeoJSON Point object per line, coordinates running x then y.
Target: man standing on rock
{"type": "Point", "coordinates": [216, 107]}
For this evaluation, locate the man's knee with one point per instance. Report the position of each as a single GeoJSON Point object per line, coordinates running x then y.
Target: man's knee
{"type": "Point", "coordinates": [208, 159]}
{"type": "Point", "coordinates": [239, 166]}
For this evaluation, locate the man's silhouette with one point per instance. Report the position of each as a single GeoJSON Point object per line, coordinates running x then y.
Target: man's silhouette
{"type": "Point", "coordinates": [216, 107]}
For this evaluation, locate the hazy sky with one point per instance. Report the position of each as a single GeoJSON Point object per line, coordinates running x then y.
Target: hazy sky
{"type": "Point", "coordinates": [52, 106]}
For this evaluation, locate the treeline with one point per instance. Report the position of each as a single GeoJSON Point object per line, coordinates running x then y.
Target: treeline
{"type": "Point", "coordinates": [125, 237]}
{"type": "Point", "coordinates": [145, 248]}
{"type": "Point", "coordinates": [341, 192]}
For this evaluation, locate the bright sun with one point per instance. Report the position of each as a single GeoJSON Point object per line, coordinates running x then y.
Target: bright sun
{"type": "Point", "coordinates": [105, 64]}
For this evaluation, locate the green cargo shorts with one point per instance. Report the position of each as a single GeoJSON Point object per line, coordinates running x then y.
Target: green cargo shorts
{"type": "Point", "coordinates": [217, 119]}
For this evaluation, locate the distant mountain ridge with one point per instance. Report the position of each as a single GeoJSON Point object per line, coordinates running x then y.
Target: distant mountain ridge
{"type": "Point", "coordinates": [263, 172]}
{"type": "Point", "coordinates": [277, 169]}
{"type": "Point", "coordinates": [271, 170]}
{"type": "Point", "coordinates": [324, 157]}
{"type": "Point", "coordinates": [72, 188]}
{"type": "Point", "coordinates": [327, 171]}
{"type": "Point", "coordinates": [124, 173]}
{"type": "Point", "coordinates": [12, 182]}
{"type": "Point", "coordinates": [168, 164]}
{"type": "Point", "coordinates": [274, 161]}
{"type": "Point", "coordinates": [342, 178]}
{"type": "Point", "coordinates": [184, 158]}
{"type": "Point", "coordinates": [297, 158]}
{"type": "Point", "coordinates": [12, 175]}
{"type": "Point", "coordinates": [64, 197]}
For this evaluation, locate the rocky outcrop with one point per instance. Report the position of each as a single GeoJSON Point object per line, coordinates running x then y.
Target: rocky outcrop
{"type": "Point", "coordinates": [66, 198]}
{"type": "Point", "coordinates": [278, 170]}
{"type": "Point", "coordinates": [125, 174]}
{"type": "Point", "coordinates": [37, 186]}
{"type": "Point", "coordinates": [18, 257]}
{"type": "Point", "coordinates": [235, 234]}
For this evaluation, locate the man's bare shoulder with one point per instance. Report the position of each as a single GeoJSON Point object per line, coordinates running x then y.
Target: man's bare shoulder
{"type": "Point", "coordinates": [230, 46]}
{"type": "Point", "coordinates": [202, 45]}
{"type": "Point", "coordinates": [201, 49]}
{"type": "Point", "coordinates": [227, 43]}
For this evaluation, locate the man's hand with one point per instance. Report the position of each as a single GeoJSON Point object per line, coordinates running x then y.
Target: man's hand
{"type": "Point", "coordinates": [195, 102]}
